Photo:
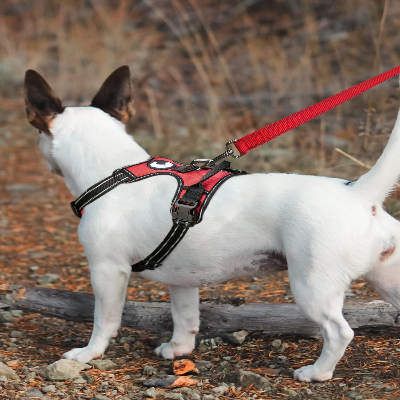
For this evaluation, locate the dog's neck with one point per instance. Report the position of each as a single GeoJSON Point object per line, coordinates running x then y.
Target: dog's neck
{"type": "Point", "coordinates": [89, 145]}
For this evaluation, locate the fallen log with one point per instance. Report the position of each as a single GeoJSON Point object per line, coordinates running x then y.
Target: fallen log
{"type": "Point", "coordinates": [271, 318]}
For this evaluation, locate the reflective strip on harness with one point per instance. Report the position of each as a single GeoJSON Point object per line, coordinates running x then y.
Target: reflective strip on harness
{"type": "Point", "coordinates": [194, 192]}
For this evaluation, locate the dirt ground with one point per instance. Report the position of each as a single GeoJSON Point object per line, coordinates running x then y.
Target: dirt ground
{"type": "Point", "coordinates": [38, 237]}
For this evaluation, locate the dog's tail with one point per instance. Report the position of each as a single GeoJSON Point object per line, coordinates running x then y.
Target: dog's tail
{"type": "Point", "coordinates": [379, 182]}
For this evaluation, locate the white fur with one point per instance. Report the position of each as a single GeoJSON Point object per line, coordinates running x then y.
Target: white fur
{"type": "Point", "coordinates": [326, 230]}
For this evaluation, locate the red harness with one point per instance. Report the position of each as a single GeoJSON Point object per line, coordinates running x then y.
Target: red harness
{"type": "Point", "coordinates": [196, 186]}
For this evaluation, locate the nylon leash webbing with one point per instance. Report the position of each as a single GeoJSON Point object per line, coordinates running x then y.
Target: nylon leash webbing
{"type": "Point", "coordinates": [290, 122]}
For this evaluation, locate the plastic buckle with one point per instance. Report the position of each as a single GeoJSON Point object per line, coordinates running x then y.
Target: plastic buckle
{"type": "Point", "coordinates": [184, 214]}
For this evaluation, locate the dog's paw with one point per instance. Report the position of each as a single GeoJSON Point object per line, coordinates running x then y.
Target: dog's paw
{"type": "Point", "coordinates": [84, 354]}
{"type": "Point", "coordinates": [171, 350]}
{"type": "Point", "coordinates": [310, 373]}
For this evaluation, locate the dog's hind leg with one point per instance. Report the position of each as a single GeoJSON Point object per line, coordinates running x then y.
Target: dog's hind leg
{"type": "Point", "coordinates": [322, 303]}
{"type": "Point", "coordinates": [185, 314]}
{"type": "Point", "coordinates": [109, 285]}
{"type": "Point", "coordinates": [385, 279]}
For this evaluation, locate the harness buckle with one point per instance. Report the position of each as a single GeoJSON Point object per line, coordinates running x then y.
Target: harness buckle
{"type": "Point", "coordinates": [184, 214]}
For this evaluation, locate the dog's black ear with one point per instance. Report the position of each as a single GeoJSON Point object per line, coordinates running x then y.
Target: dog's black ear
{"type": "Point", "coordinates": [115, 96]}
{"type": "Point", "coordinates": [42, 104]}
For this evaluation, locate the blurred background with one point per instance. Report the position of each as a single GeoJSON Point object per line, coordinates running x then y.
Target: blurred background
{"type": "Point", "coordinates": [208, 71]}
{"type": "Point", "coordinates": [204, 72]}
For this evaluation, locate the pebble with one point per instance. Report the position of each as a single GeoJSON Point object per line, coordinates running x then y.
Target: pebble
{"type": "Point", "coordinates": [151, 392]}
{"type": "Point", "coordinates": [16, 313]}
{"type": "Point", "coordinates": [208, 397]}
{"type": "Point", "coordinates": [247, 378]}
{"type": "Point", "coordinates": [63, 370]}
{"type": "Point", "coordinates": [220, 390]}
{"type": "Point", "coordinates": [276, 343]}
{"type": "Point", "coordinates": [100, 397]}
{"type": "Point", "coordinates": [48, 389]}
{"type": "Point", "coordinates": [149, 370]}
{"type": "Point", "coordinates": [192, 393]}
{"type": "Point", "coordinates": [6, 316]}
{"type": "Point", "coordinates": [176, 396]}
{"type": "Point", "coordinates": [202, 348]}
{"type": "Point", "coordinates": [79, 380]}
{"type": "Point", "coordinates": [290, 392]}
{"type": "Point", "coordinates": [87, 377]}
{"type": "Point", "coordinates": [8, 372]}
{"type": "Point", "coordinates": [104, 365]}
{"type": "Point", "coordinates": [35, 393]}
{"type": "Point", "coordinates": [237, 337]}
{"type": "Point", "coordinates": [16, 334]}
{"type": "Point", "coordinates": [47, 279]}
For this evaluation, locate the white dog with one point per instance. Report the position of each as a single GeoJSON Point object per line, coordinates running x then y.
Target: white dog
{"type": "Point", "coordinates": [329, 231]}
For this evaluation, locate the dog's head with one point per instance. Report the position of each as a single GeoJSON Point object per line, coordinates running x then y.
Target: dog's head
{"type": "Point", "coordinates": [43, 107]}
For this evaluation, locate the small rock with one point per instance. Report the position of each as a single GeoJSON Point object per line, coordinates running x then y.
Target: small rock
{"type": "Point", "coordinates": [176, 396]}
{"type": "Point", "coordinates": [290, 392]}
{"type": "Point", "coordinates": [202, 348]}
{"type": "Point", "coordinates": [247, 378]}
{"type": "Point", "coordinates": [151, 392]}
{"type": "Point", "coordinates": [104, 365]}
{"type": "Point", "coordinates": [276, 343]}
{"type": "Point", "coordinates": [282, 358]}
{"type": "Point", "coordinates": [308, 391]}
{"type": "Point", "coordinates": [16, 334]}
{"type": "Point", "coordinates": [87, 377]}
{"type": "Point", "coordinates": [208, 397]}
{"type": "Point", "coordinates": [204, 365]}
{"type": "Point", "coordinates": [100, 397]}
{"type": "Point", "coordinates": [125, 339]}
{"type": "Point", "coordinates": [35, 393]}
{"type": "Point", "coordinates": [283, 347]}
{"type": "Point", "coordinates": [6, 316]}
{"type": "Point", "coordinates": [16, 313]}
{"type": "Point", "coordinates": [220, 390]}
{"type": "Point", "coordinates": [63, 370]}
{"type": "Point", "coordinates": [237, 337]}
{"type": "Point", "coordinates": [48, 389]}
{"type": "Point", "coordinates": [8, 372]}
{"type": "Point", "coordinates": [47, 279]}
{"type": "Point", "coordinates": [149, 370]}
{"type": "Point", "coordinates": [79, 380]}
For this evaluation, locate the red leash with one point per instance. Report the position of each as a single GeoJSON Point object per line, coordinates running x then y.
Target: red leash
{"type": "Point", "coordinates": [290, 122]}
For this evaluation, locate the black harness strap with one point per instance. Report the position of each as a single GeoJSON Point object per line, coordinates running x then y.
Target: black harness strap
{"type": "Point", "coordinates": [188, 205]}
{"type": "Point", "coordinates": [183, 217]}
{"type": "Point", "coordinates": [97, 190]}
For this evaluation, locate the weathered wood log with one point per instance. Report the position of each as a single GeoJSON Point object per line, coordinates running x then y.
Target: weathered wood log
{"type": "Point", "coordinates": [270, 318]}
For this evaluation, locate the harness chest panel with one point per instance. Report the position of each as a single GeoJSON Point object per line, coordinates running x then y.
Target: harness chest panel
{"type": "Point", "coordinates": [193, 194]}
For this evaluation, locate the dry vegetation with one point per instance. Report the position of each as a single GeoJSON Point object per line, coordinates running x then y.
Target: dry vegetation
{"type": "Point", "coordinates": [205, 72]}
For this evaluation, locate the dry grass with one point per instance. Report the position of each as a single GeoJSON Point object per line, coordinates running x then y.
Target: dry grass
{"type": "Point", "coordinates": [209, 71]}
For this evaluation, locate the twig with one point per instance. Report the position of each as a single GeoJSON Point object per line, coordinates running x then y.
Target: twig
{"type": "Point", "coordinates": [352, 158]}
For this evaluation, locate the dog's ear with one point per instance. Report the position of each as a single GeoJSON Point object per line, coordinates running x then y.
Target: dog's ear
{"type": "Point", "coordinates": [42, 104]}
{"type": "Point", "coordinates": [115, 96]}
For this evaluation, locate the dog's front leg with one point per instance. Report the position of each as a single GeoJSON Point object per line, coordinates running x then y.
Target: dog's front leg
{"type": "Point", "coordinates": [185, 314]}
{"type": "Point", "coordinates": [109, 285]}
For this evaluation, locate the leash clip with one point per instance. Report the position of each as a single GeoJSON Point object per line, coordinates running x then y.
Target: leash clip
{"type": "Point", "coordinates": [205, 163]}
{"type": "Point", "coordinates": [230, 151]}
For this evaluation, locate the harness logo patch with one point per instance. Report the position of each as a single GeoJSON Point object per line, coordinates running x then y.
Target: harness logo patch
{"type": "Point", "coordinates": [160, 164]}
